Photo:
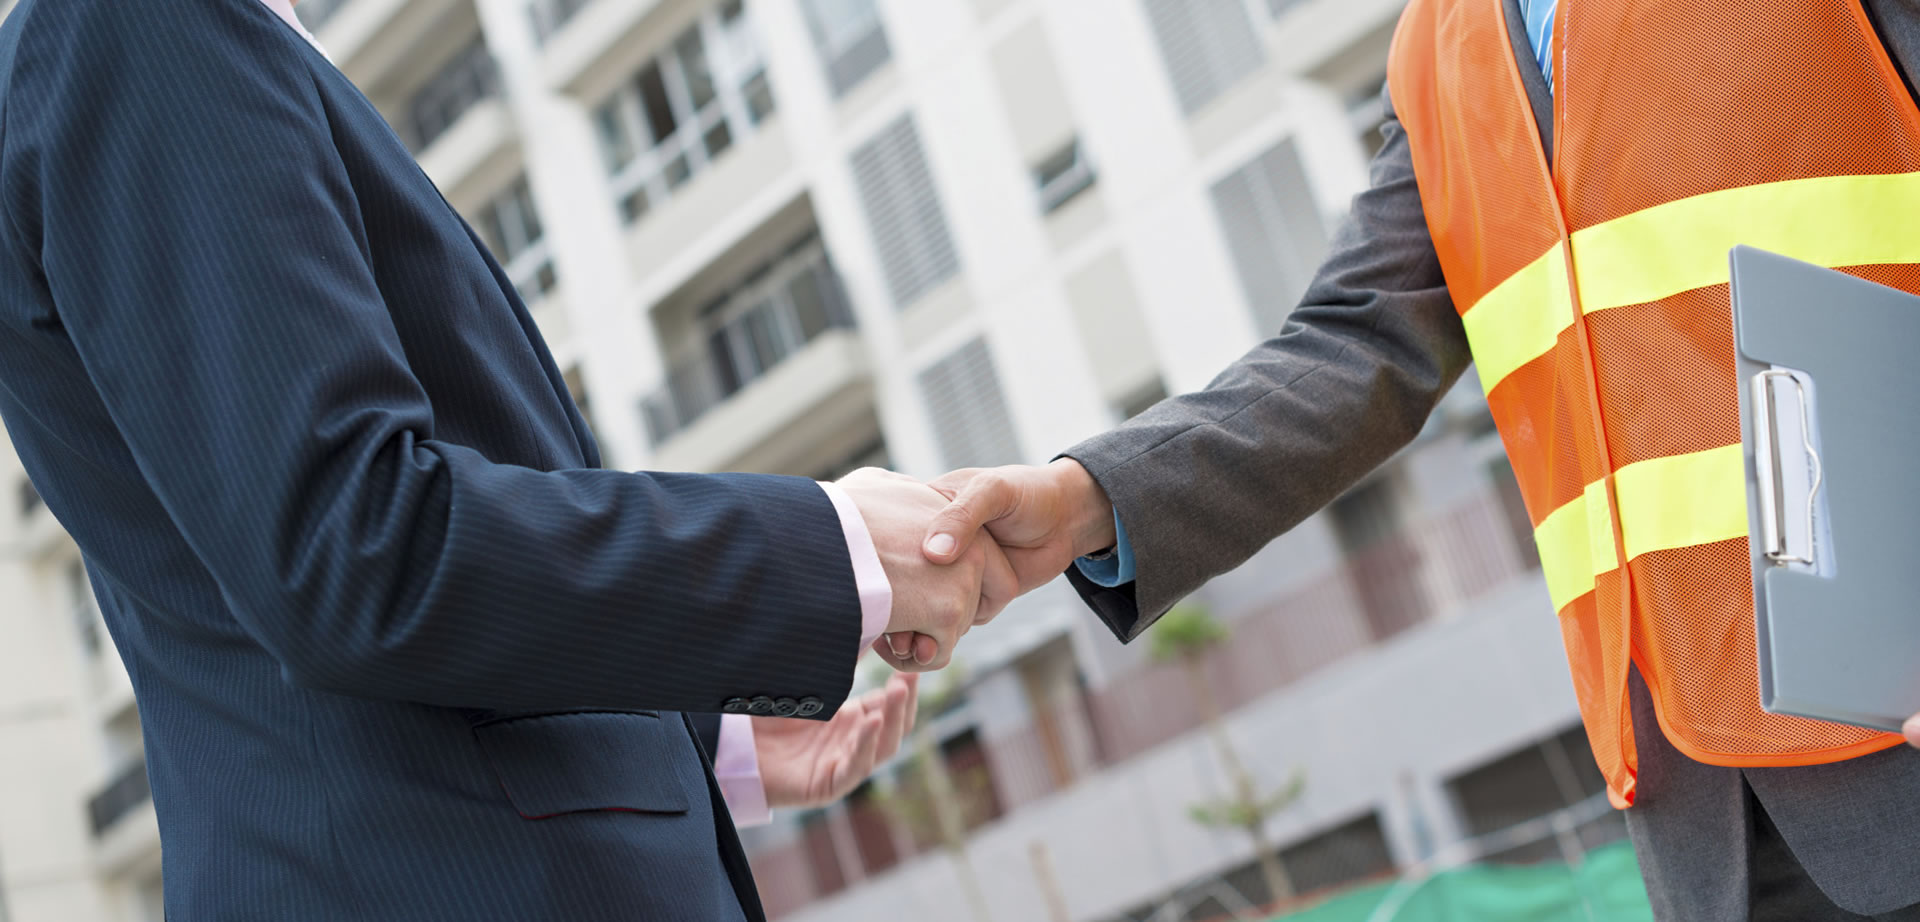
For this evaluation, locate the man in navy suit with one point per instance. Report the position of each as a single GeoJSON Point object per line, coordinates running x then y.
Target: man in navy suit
{"type": "Point", "coordinates": [402, 651]}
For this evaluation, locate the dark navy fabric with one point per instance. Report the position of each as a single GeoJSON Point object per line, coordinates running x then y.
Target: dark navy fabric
{"type": "Point", "coordinates": [345, 525]}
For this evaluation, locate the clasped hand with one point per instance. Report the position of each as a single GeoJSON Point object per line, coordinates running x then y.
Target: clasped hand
{"type": "Point", "coordinates": [958, 550]}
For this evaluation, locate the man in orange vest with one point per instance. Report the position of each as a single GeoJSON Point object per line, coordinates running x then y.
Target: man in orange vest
{"type": "Point", "coordinates": [1555, 202]}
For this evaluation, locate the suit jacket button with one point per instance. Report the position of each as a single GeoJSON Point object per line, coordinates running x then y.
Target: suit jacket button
{"type": "Point", "coordinates": [736, 706]}
{"type": "Point", "coordinates": [785, 707]}
{"type": "Point", "coordinates": [761, 705]}
{"type": "Point", "coordinates": [809, 706]}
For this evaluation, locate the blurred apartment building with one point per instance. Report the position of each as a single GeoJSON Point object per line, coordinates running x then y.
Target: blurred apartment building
{"type": "Point", "coordinates": [803, 236]}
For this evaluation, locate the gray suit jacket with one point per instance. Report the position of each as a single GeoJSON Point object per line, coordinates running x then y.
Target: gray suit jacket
{"type": "Point", "coordinates": [1204, 480]}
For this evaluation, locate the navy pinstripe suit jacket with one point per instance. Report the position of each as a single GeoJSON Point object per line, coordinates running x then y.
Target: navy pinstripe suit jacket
{"type": "Point", "coordinates": [401, 652]}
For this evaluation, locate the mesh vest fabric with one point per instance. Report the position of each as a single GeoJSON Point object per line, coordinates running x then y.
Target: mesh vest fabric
{"type": "Point", "coordinates": [1594, 294]}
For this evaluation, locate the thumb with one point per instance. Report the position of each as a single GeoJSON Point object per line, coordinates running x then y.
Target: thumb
{"type": "Point", "coordinates": [984, 499]}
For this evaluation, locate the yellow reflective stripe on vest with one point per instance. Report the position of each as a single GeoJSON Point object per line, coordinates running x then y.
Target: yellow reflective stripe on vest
{"type": "Point", "coordinates": [1521, 317]}
{"type": "Point", "coordinates": [1831, 221]}
{"type": "Point", "coordinates": [1682, 245]}
{"type": "Point", "coordinates": [1576, 543]}
{"type": "Point", "coordinates": [1665, 503]}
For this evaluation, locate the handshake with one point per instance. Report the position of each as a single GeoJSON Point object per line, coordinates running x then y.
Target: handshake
{"type": "Point", "coordinates": [957, 550]}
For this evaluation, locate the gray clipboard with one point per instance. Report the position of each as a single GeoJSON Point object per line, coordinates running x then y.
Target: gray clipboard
{"type": "Point", "coordinates": [1829, 368]}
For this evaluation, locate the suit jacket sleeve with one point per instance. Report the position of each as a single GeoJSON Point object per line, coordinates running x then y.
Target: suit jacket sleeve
{"type": "Point", "coordinates": [1204, 480]}
{"type": "Point", "coordinates": [200, 236]}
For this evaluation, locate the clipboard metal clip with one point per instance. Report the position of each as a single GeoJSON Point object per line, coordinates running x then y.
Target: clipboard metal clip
{"type": "Point", "coordinates": [1766, 460]}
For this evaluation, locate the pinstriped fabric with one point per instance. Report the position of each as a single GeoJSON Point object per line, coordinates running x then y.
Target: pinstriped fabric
{"type": "Point", "coordinates": [343, 520]}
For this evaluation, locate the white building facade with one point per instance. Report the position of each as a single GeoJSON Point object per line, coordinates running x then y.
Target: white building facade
{"type": "Point", "coordinates": [803, 236]}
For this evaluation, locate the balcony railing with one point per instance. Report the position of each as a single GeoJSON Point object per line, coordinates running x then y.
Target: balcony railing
{"type": "Point", "coordinates": [125, 793]}
{"type": "Point", "coordinates": [781, 309]}
{"type": "Point", "coordinates": [1424, 569]}
{"type": "Point", "coordinates": [466, 80]}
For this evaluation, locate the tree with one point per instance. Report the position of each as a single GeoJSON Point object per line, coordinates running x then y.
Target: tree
{"type": "Point", "coordinates": [935, 804]}
{"type": "Point", "coordinates": [1185, 635]}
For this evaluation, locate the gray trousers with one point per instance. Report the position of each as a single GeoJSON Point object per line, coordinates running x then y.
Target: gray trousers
{"type": "Point", "coordinates": [1776, 844]}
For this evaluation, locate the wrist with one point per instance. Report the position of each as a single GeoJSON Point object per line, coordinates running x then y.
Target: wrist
{"type": "Point", "coordinates": [1088, 510]}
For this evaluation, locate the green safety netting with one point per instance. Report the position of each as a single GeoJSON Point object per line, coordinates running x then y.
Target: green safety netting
{"type": "Point", "coordinates": [1606, 887]}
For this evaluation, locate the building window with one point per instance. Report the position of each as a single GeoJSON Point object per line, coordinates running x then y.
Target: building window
{"type": "Point", "coordinates": [780, 307]}
{"type": "Point", "coordinates": [1513, 508]}
{"type": "Point", "coordinates": [1382, 559]}
{"type": "Point", "coordinates": [510, 224]}
{"type": "Point", "coordinates": [1274, 232]}
{"type": "Point", "coordinates": [1208, 45]}
{"type": "Point", "coordinates": [903, 212]}
{"type": "Point", "coordinates": [850, 38]}
{"type": "Point", "coordinates": [467, 79]}
{"type": "Point", "coordinates": [685, 108]}
{"type": "Point", "coordinates": [1554, 774]}
{"type": "Point", "coordinates": [1367, 112]}
{"type": "Point", "coordinates": [1062, 175]}
{"type": "Point", "coordinates": [971, 420]}
{"type": "Point", "coordinates": [549, 16]}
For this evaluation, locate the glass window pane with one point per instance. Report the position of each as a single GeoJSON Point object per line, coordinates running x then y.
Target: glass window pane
{"type": "Point", "coordinates": [529, 216]}
{"type": "Point", "coordinates": [487, 225]}
{"type": "Point", "coordinates": [842, 22]}
{"type": "Point", "coordinates": [694, 67]}
{"type": "Point", "coordinates": [720, 347]}
{"type": "Point", "coordinates": [759, 97]}
{"type": "Point", "coordinates": [764, 338]}
{"type": "Point", "coordinates": [653, 96]}
{"type": "Point", "coordinates": [719, 138]}
{"type": "Point", "coordinates": [677, 172]}
{"type": "Point", "coordinates": [634, 205]}
{"type": "Point", "coordinates": [615, 143]}
{"type": "Point", "coordinates": [809, 306]}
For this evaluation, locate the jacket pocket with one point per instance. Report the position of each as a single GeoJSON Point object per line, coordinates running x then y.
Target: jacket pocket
{"type": "Point", "coordinates": [580, 761]}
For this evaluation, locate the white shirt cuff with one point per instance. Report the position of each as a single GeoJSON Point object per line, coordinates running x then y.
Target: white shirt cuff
{"type": "Point", "coordinates": [869, 577]}
{"type": "Point", "coordinates": [736, 765]}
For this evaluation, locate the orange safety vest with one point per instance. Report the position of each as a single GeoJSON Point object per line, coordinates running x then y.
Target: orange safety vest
{"type": "Point", "coordinates": [1594, 295]}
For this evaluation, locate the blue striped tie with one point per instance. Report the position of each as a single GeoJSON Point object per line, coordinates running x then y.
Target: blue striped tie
{"type": "Point", "coordinates": [1539, 33]}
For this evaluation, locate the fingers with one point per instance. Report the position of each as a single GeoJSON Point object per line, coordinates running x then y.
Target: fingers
{"type": "Point", "coordinates": [912, 706]}
{"type": "Point", "coordinates": [999, 583]}
{"type": "Point", "coordinates": [899, 696]}
{"type": "Point", "coordinates": [858, 764]}
{"type": "Point", "coordinates": [1912, 730]}
{"type": "Point", "coordinates": [900, 663]}
{"type": "Point", "coordinates": [985, 498]}
{"type": "Point", "coordinates": [924, 653]}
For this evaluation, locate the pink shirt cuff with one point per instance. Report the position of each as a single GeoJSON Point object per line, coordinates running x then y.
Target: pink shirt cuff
{"type": "Point", "coordinates": [869, 578]}
{"type": "Point", "coordinates": [736, 765]}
